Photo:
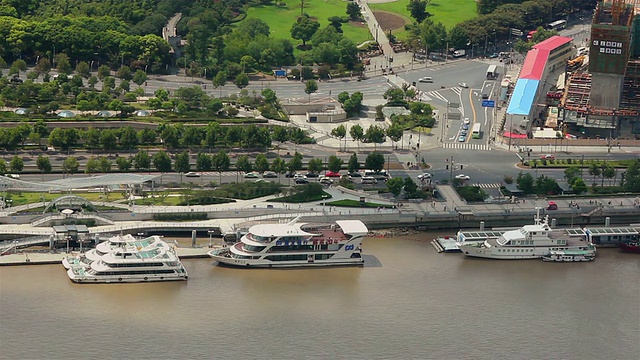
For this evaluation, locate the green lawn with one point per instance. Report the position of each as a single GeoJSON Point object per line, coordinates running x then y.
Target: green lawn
{"type": "Point", "coordinates": [280, 19]}
{"type": "Point", "coordinates": [448, 12]}
{"type": "Point", "coordinates": [356, 203]}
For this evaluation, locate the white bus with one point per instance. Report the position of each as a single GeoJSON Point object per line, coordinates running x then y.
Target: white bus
{"type": "Point", "coordinates": [557, 25]}
{"type": "Point", "coordinates": [475, 131]}
{"type": "Point", "coordinates": [492, 72]}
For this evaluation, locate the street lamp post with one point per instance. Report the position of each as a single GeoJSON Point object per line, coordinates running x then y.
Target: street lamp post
{"type": "Point", "coordinates": [510, 128]}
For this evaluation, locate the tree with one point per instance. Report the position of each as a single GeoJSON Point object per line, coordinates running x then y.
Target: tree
{"type": "Point", "coordinates": [310, 87]}
{"type": "Point", "coordinates": [395, 185]}
{"type": "Point", "coordinates": [182, 165]}
{"type": "Point", "coordinates": [16, 164]}
{"type": "Point", "coordinates": [70, 165]}
{"type": "Point", "coordinates": [44, 165]}
{"type": "Point", "coordinates": [395, 132]}
{"type": "Point", "coordinates": [43, 66]}
{"type": "Point", "coordinates": [104, 164]}
{"type": "Point", "coordinates": [304, 28]}
{"type": "Point", "coordinates": [594, 169]}
{"type": "Point", "coordinates": [354, 164]}
{"type": "Point", "coordinates": [269, 96]}
{"type": "Point", "coordinates": [632, 177]}
{"type": "Point", "coordinates": [571, 174]}
{"type": "Point", "coordinates": [262, 164]}
{"type": "Point", "coordinates": [92, 166]}
{"type": "Point", "coordinates": [353, 10]}
{"type": "Point", "coordinates": [128, 138]}
{"type": "Point", "coordinates": [374, 161]}
{"type": "Point", "coordinates": [340, 132]}
{"type": "Point", "coordinates": [579, 186]}
{"type": "Point", "coordinates": [62, 64]}
{"type": "Point", "coordinates": [525, 183]}
{"type": "Point", "coordinates": [103, 72]}
{"type": "Point", "coordinates": [219, 80]}
{"type": "Point", "coordinates": [315, 165]}
{"type": "Point", "coordinates": [244, 164]}
{"type": "Point", "coordinates": [83, 70]}
{"type": "Point", "coordinates": [139, 77]}
{"type": "Point", "coordinates": [221, 162]}
{"type": "Point", "coordinates": [410, 187]}
{"type": "Point", "coordinates": [295, 163]}
{"type": "Point", "coordinates": [142, 161]}
{"type": "Point", "coordinates": [242, 80]}
{"type": "Point", "coordinates": [334, 163]}
{"type": "Point", "coordinates": [162, 161]}
{"type": "Point", "coordinates": [203, 162]}
{"type": "Point", "coordinates": [608, 172]}
{"type": "Point", "coordinates": [278, 166]}
{"type": "Point", "coordinates": [123, 163]}
{"type": "Point", "coordinates": [375, 134]}
{"type": "Point", "coordinates": [418, 10]}
{"type": "Point", "coordinates": [3, 167]}
{"type": "Point", "coordinates": [357, 134]}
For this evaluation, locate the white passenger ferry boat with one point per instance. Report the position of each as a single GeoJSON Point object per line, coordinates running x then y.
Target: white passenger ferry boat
{"type": "Point", "coordinates": [297, 244]}
{"type": "Point", "coordinates": [125, 260]}
{"type": "Point", "coordinates": [569, 256]}
{"type": "Point", "coordinates": [530, 242]}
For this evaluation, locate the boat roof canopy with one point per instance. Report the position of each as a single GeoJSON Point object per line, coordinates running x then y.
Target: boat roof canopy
{"type": "Point", "coordinates": [353, 227]}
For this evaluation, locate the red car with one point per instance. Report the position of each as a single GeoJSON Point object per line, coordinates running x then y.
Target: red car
{"type": "Point", "coordinates": [332, 174]}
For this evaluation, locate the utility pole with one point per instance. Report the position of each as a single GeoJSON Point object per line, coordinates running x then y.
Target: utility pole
{"type": "Point", "coordinates": [451, 165]}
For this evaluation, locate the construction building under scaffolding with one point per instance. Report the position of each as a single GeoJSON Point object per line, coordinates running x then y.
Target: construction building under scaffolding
{"type": "Point", "coordinates": [604, 99]}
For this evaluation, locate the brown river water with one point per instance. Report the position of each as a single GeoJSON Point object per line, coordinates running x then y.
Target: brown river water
{"type": "Point", "coordinates": [412, 303]}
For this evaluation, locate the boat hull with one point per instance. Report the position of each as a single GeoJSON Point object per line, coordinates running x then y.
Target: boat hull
{"type": "Point", "coordinates": [258, 263]}
{"type": "Point", "coordinates": [630, 248]}
{"type": "Point", "coordinates": [574, 259]}
{"type": "Point", "coordinates": [524, 253]}
{"type": "Point", "coordinates": [124, 278]}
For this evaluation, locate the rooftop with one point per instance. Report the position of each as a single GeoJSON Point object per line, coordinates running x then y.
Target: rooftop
{"type": "Point", "coordinates": [552, 43]}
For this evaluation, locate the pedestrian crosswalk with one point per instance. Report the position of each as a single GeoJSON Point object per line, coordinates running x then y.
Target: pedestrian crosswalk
{"type": "Point", "coordinates": [486, 185]}
{"type": "Point", "coordinates": [466, 146]}
{"type": "Point", "coordinates": [436, 95]}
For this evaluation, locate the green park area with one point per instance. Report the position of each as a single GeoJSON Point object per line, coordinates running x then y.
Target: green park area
{"type": "Point", "coordinates": [448, 12]}
{"type": "Point", "coordinates": [280, 18]}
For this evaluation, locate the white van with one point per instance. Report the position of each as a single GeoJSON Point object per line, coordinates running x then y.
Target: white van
{"type": "Point", "coordinates": [369, 180]}
{"type": "Point", "coordinates": [582, 51]}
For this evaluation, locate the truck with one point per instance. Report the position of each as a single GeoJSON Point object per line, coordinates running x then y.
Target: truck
{"type": "Point", "coordinates": [458, 53]}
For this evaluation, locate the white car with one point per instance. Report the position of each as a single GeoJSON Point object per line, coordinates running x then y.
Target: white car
{"type": "Point", "coordinates": [462, 177]}
{"type": "Point", "coordinates": [192, 174]}
{"type": "Point", "coordinates": [426, 79]}
{"type": "Point", "coordinates": [325, 181]}
{"type": "Point", "coordinates": [424, 176]}
{"type": "Point", "coordinates": [463, 85]}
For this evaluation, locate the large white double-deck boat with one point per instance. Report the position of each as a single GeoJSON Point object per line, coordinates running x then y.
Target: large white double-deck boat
{"type": "Point", "coordinates": [297, 244]}
{"type": "Point", "coordinates": [532, 242]}
{"type": "Point", "coordinates": [126, 259]}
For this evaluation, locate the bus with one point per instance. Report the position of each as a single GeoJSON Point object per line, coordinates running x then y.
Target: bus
{"type": "Point", "coordinates": [492, 72]}
{"type": "Point", "coordinates": [557, 25]}
{"type": "Point", "coordinates": [475, 132]}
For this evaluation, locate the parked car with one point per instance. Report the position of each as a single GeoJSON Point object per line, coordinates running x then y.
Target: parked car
{"type": "Point", "coordinates": [290, 175]}
{"type": "Point", "coordinates": [369, 180]}
{"type": "Point", "coordinates": [312, 174]}
{"type": "Point", "coordinates": [299, 176]}
{"type": "Point", "coordinates": [325, 181]}
{"type": "Point", "coordinates": [548, 157]}
{"type": "Point", "coordinates": [251, 175]}
{"type": "Point", "coordinates": [302, 181]}
{"type": "Point", "coordinates": [269, 174]}
{"type": "Point", "coordinates": [424, 176]}
{"type": "Point", "coordinates": [355, 174]}
{"type": "Point", "coordinates": [192, 174]}
{"type": "Point", "coordinates": [332, 174]}
{"type": "Point", "coordinates": [463, 85]}
{"type": "Point", "coordinates": [462, 177]}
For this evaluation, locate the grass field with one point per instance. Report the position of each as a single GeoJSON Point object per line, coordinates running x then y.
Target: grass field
{"type": "Point", "coordinates": [448, 12]}
{"type": "Point", "coordinates": [280, 19]}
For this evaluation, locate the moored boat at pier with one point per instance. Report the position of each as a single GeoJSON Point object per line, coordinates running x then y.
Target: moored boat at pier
{"type": "Point", "coordinates": [297, 244]}
{"type": "Point", "coordinates": [128, 260]}
{"type": "Point", "coordinates": [569, 256]}
{"type": "Point", "coordinates": [630, 247]}
{"type": "Point", "coordinates": [531, 242]}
